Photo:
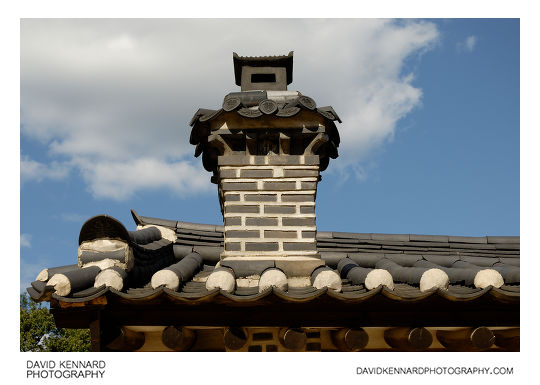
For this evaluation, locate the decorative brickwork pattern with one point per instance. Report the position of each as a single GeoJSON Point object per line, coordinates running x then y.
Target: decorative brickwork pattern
{"type": "Point", "coordinates": [268, 204]}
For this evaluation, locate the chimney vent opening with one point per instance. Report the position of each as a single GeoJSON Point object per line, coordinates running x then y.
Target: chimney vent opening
{"type": "Point", "coordinates": [263, 78]}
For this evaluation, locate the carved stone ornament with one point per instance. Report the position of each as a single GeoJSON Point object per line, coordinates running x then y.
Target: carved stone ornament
{"type": "Point", "coordinates": [307, 102]}
{"type": "Point", "coordinates": [287, 112]}
{"type": "Point", "coordinates": [248, 113]}
{"type": "Point", "coordinates": [231, 103]}
{"type": "Point", "coordinates": [268, 106]}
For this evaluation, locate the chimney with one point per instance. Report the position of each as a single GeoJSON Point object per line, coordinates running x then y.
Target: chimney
{"type": "Point", "coordinates": [266, 148]}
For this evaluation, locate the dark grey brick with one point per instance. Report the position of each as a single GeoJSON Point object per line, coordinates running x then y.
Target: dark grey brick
{"type": "Point", "coordinates": [232, 246]}
{"type": "Point", "coordinates": [298, 198]}
{"type": "Point", "coordinates": [227, 174]}
{"type": "Point", "coordinates": [279, 234]}
{"type": "Point", "coordinates": [256, 173]}
{"type": "Point", "coordinates": [259, 160]}
{"type": "Point", "coordinates": [298, 221]}
{"type": "Point", "coordinates": [283, 160]}
{"type": "Point", "coordinates": [309, 185]}
{"type": "Point", "coordinates": [262, 246]}
{"type": "Point", "coordinates": [260, 197]}
{"type": "Point", "coordinates": [242, 234]}
{"type": "Point", "coordinates": [308, 234]}
{"type": "Point", "coordinates": [311, 160]}
{"type": "Point", "coordinates": [233, 160]}
{"type": "Point", "coordinates": [300, 173]}
{"type": "Point", "coordinates": [239, 186]}
{"type": "Point", "coordinates": [241, 209]}
{"type": "Point", "coordinates": [307, 209]}
{"type": "Point", "coordinates": [279, 209]}
{"type": "Point", "coordinates": [233, 221]}
{"type": "Point", "coordinates": [280, 186]}
{"type": "Point", "coordinates": [299, 246]}
{"type": "Point", "coordinates": [261, 221]}
{"type": "Point", "coordinates": [232, 197]}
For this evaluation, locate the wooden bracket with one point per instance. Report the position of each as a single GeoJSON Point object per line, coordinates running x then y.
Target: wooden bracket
{"type": "Point", "coordinates": [178, 338]}
{"type": "Point", "coordinates": [234, 338]}
{"type": "Point", "coordinates": [507, 339]}
{"type": "Point", "coordinates": [404, 338]}
{"type": "Point", "coordinates": [320, 139]}
{"type": "Point", "coordinates": [293, 338]}
{"type": "Point", "coordinates": [127, 341]}
{"type": "Point", "coordinates": [480, 338]}
{"type": "Point", "coordinates": [251, 143]}
{"type": "Point", "coordinates": [95, 332]}
{"type": "Point", "coordinates": [284, 144]}
{"type": "Point", "coordinates": [350, 340]}
{"type": "Point", "coordinates": [217, 142]}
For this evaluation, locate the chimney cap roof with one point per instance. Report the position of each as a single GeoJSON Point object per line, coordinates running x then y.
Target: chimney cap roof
{"type": "Point", "coordinates": [285, 61]}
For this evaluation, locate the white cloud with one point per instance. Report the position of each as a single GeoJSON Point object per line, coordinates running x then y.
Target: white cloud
{"type": "Point", "coordinates": [120, 180]}
{"type": "Point", "coordinates": [122, 43]}
{"type": "Point", "coordinates": [114, 97]}
{"type": "Point", "coordinates": [468, 44]}
{"type": "Point", "coordinates": [73, 217]}
{"type": "Point", "coordinates": [32, 170]}
{"type": "Point", "coordinates": [25, 240]}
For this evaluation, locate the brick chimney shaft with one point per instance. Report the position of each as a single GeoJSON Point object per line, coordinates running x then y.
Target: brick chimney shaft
{"type": "Point", "coordinates": [266, 148]}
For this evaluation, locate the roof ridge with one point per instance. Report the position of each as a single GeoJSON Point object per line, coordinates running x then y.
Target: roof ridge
{"type": "Point", "coordinates": [291, 53]}
{"type": "Point", "coordinates": [378, 236]}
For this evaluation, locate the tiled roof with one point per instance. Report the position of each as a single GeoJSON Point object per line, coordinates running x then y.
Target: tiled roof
{"type": "Point", "coordinates": [262, 61]}
{"type": "Point", "coordinates": [193, 254]}
{"type": "Point", "coordinates": [252, 108]}
{"type": "Point", "coordinates": [267, 108]}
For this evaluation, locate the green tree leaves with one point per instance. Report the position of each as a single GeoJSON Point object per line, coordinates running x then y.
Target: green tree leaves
{"type": "Point", "coordinates": [38, 333]}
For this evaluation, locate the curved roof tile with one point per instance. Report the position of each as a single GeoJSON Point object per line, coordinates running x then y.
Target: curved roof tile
{"type": "Point", "coordinates": [363, 249]}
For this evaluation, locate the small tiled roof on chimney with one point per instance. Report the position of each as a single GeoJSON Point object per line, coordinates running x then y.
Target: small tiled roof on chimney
{"type": "Point", "coordinates": [283, 61]}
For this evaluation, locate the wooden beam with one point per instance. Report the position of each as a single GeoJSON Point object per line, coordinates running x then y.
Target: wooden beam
{"type": "Point", "coordinates": [479, 338]}
{"type": "Point", "coordinates": [315, 143]}
{"type": "Point", "coordinates": [234, 338]}
{"type": "Point", "coordinates": [507, 339]}
{"type": "Point", "coordinates": [95, 332]}
{"type": "Point", "coordinates": [293, 338]}
{"type": "Point", "coordinates": [178, 338]}
{"type": "Point", "coordinates": [284, 143]}
{"type": "Point", "coordinates": [404, 338]}
{"type": "Point", "coordinates": [350, 340]}
{"type": "Point", "coordinates": [126, 341]}
{"type": "Point", "coordinates": [219, 144]}
{"type": "Point", "coordinates": [251, 143]}
{"type": "Point", "coordinates": [374, 313]}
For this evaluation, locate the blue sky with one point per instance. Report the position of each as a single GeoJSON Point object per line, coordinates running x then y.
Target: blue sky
{"type": "Point", "coordinates": [430, 133]}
